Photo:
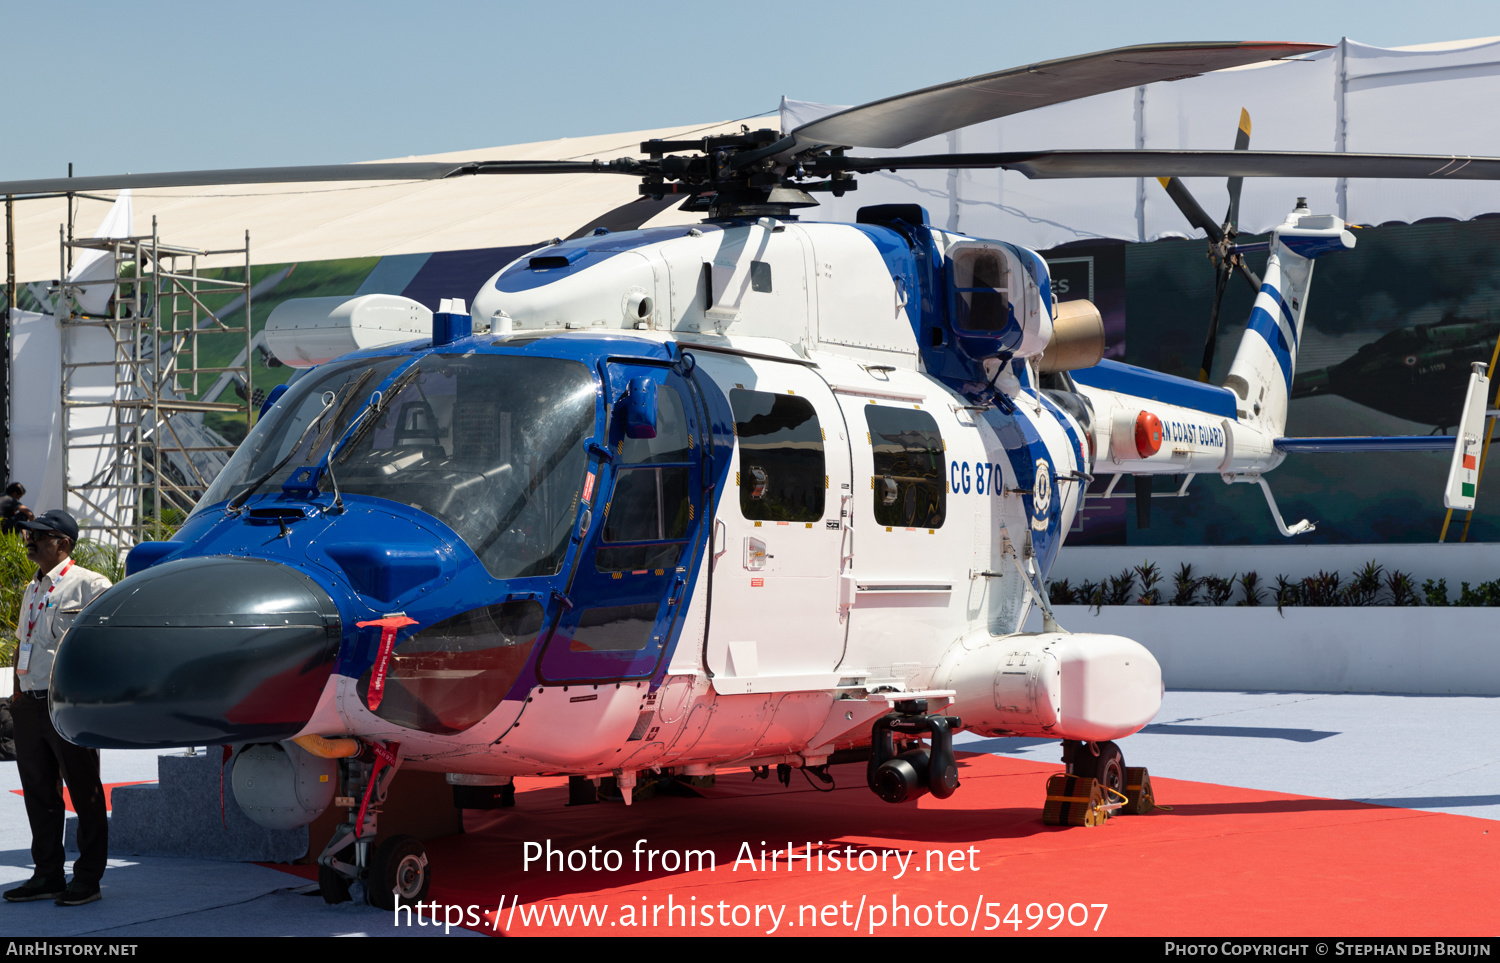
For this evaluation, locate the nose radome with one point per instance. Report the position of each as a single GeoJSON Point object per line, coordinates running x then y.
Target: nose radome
{"type": "Point", "coordinates": [197, 651]}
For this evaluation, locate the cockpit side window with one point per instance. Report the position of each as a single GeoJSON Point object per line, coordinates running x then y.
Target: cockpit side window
{"type": "Point", "coordinates": [650, 503]}
{"type": "Point", "coordinates": [981, 282]}
{"type": "Point", "coordinates": [672, 442]}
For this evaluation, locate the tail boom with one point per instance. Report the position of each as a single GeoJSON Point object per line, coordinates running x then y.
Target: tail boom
{"type": "Point", "coordinates": [1262, 371]}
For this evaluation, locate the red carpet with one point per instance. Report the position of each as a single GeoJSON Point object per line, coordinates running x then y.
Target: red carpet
{"type": "Point", "coordinates": [1223, 861]}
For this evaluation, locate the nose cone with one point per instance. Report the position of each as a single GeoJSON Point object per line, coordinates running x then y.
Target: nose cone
{"type": "Point", "coordinates": [197, 651]}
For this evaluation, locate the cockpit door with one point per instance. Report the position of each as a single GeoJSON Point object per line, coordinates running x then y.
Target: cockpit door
{"type": "Point", "coordinates": [627, 592]}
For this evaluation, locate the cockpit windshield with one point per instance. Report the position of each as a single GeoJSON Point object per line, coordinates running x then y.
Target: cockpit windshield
{"type": "Point", "coordinates": [492, 445]}
{"type": "Point", "coordinates": [310, 417]}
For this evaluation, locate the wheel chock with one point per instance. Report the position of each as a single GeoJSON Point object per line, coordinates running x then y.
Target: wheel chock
{"type": "Point", "coordinates": [1074, 801]}
{"type": "Point", "coordinates": [1139, 797]}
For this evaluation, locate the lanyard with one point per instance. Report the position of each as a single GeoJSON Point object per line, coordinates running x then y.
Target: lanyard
{"type": "Point", "coordinates": [32, 614]}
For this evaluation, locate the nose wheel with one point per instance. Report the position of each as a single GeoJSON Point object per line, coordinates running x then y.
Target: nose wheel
{"type": "Point", "coordinates": [393, 869]}
{"type": "Point", "coordinates": [398, 871]}
{"type": "Point", "coordinates": [1102, 762]}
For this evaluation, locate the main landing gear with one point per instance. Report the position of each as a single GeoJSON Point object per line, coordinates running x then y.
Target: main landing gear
{"type": "Point", "coordinates": [1102, 762]}
{"type": "Point", "coordinates": [394, 870]}
{"type": "Point", "coordinates": [1095, 785]}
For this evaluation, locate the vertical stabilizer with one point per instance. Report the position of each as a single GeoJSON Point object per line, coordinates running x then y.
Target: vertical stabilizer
{"type": "Point", "coordinates": [1261, 375]}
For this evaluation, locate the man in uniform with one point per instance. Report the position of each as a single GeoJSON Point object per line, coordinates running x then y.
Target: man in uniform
{"type": "Point", "coordinates": [11, 509]}
{"type": "Point", "coordinates": [45, 760]}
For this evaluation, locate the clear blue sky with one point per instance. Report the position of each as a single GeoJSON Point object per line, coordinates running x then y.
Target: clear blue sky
{"type": "Point", "coordinates": [166, 85]}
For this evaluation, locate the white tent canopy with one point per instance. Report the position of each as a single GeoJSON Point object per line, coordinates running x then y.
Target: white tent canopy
{"type": "Point", "coordinates": [1433, 99]}
{"type": "Point", "coordinates": [321, 221]}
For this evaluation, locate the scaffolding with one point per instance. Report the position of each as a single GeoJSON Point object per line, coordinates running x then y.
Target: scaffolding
{"type": "Point", "coordinates": [136, 381]}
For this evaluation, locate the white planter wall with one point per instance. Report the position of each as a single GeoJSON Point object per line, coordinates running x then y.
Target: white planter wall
{"type": "Point", "coordinates": [1471, 562]}
{"type": "Point", "coordinates": [1403, 650]}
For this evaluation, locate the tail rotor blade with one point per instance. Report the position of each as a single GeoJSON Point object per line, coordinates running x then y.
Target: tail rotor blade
{"type": "Point", "coordinates": [1241, 142]}
{"type": "Point", "coordinates": [1210, 344]}
{"type": "Point", "coordinates": [1225, 262]}
{"type": "Point", "coordinates": [1190, 208]}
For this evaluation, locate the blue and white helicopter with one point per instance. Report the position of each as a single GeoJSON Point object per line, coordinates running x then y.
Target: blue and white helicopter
{"type": "Point", "coordinates": [758, 492]}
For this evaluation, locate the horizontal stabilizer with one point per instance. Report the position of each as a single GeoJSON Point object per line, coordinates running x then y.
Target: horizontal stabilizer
{"type": "Point", "coordinates": [1463, 472]}
{"type": "Point", "coordinates": [1353, 443]}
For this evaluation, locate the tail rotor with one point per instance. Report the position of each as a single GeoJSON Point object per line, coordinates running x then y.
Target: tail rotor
{"type": "Point", "coordinates": [1220, 241]}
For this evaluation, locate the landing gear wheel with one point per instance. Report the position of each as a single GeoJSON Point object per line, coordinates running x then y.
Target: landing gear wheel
{"type": "Point", "coordinates": [1107, 768]}
{"type": "Point", "coordinates": [333, 885]}
{"type": "Point", "coordinates": [398, 869]}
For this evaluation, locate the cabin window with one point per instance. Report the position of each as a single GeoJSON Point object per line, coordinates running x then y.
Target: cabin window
{"type": "Point", "coordinates": [908, 486]}
{"type": "Point", "coordinates": [981, 283]}
{"type": "Point", "coordinates": [782, 474]}
{"type": "Point", "coordinates": [650, 501]}
{"type": "Point", "coordinates": [449, 676]}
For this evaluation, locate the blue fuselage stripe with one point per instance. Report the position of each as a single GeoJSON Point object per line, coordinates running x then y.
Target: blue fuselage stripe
{"type": "Point", "coordinates": [1274, 336]}
{"type": "Point", "coordinates": [1168, 389]}
{"type": "Point", "coordinates": [1286, 312]}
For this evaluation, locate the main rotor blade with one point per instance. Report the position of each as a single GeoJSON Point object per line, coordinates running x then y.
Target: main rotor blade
{"type": "Point", "coordinates": [1046, 164]}
{"type": "Point", "coordinates": [628, 216]}
{"type": "Point", "coordinates": [396, 171]}
{"type": "Point", "coordinates": [909, 117]}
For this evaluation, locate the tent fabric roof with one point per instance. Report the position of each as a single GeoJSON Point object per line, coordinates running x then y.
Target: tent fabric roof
{"type": "Point", "coordinates": [1431, 98]}
{"type": "Point", "coordinates": [310, 222]}
{"type": "Point", "coordinates": [1428, 99]}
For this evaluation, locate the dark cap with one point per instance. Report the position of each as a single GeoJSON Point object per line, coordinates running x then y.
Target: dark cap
{"type": "Point", "coordinates": [57, 521]}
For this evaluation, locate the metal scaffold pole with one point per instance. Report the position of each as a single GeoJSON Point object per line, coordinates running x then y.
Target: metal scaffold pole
{"type": "Point", "coordinates": [10, 305]}
{"type": "Point", "coordinates": [152, 383]}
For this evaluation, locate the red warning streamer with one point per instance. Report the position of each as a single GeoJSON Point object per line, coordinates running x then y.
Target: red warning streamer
{"type": "Point", "coordinates": [388, 627]}
{"type": "Point", "coordinates": [384, 756]}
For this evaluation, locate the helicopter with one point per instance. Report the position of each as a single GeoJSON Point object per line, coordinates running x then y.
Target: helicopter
{"type": "Point", "coordinates": [759, 492]}
{"type": "Point", "coordinates": [1421, 371]}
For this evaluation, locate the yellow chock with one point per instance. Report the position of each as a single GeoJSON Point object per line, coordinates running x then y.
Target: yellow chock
{"type": "Point", "coordinates": [1074, 801]}
{"type": "Point", "coordinates": [1139, 797]}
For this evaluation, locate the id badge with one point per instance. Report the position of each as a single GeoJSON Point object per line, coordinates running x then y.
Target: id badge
{"type": "Point", "coordinates": [24, 658]}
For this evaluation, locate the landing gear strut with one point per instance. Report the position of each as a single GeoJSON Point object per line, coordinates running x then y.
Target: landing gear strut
{"type": "Point", "coordinates": [395, 869]}
{"type": "Point", "coordinates": [1095, 786]}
